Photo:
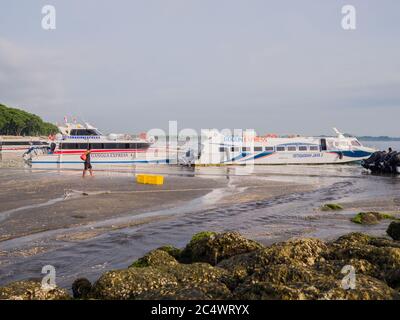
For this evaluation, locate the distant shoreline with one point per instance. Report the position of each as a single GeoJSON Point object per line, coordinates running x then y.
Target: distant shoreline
{"type": "Point", "coordinates": [367, 138]}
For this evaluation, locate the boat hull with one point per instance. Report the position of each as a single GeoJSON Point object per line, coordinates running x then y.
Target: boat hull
{"type": "Point", "coordinates": [282, 158]}
{"type": "Point", "coordinates": [98, 159]}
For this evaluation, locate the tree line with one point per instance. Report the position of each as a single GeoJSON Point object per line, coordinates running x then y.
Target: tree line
{"type": "Point", "coordinates": [17, 122]}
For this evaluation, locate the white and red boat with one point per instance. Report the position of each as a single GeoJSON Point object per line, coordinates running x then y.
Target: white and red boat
{"type": "Point", "coordinates": [66, 148]}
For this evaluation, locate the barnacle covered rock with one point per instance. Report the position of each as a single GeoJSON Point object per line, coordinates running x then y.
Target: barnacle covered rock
{"type": "Point", "coordinates": [213, 248]}
{"type": "Point", "coordinates": [31, 290]}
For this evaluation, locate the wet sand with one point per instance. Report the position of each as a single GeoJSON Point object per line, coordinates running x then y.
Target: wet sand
{"type": "Point", "coordinates": [39, 201]}
{"type": "Point", "coordinates": [86, 226]}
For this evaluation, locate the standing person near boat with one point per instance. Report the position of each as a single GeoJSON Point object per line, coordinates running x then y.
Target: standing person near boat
{"type": "Point", "coordinates": [87, 164]}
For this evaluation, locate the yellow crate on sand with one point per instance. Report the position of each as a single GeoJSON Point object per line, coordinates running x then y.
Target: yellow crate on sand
{"type": "Point", "coordinates": [149, 179]}
{"type": "Point", "coordinates": [140, 178]}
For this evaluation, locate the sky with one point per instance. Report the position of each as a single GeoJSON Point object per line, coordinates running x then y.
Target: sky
{"type": "Point", "coordinates": [282, 66]}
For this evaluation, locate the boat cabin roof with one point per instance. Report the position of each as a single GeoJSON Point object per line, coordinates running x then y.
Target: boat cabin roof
{"type": "Point", "coordinates": [79, 130]}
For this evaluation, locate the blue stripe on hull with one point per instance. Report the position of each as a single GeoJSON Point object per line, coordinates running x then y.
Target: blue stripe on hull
{"type": "Point", "coordinates": [240, 156]}
{"type": "Point", "coordinates": [259, 155]}
{"type": "Point", "coordinates": [356, 154]}
{"type": "Point", "coordinates": [353, 155]}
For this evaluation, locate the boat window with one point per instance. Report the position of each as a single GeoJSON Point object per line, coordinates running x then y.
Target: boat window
{"type": "Point", "coordinates": [330, 144]}
{"type": "Point", "coordinates": [302, 148]}
{"type": "Point", "coordinates": [69, 146]}
{"type": "Point", "coordinates": [323, 145]}
{"type": "Point", "coordinates": [83, 146]}
{"type": "Point", "coordinates": [83, 132]}
{"type": "Point", "coordinates": [15, 143]}
{"type": "Point", "coordinates": [109, 146]}
{"type": "Point", "coordinates": [314, 148]}
{"type": "Point", "coordinates": [245, 149]}
{"type": "Point", "coordinates": [221, 149]}
{"type": "Point", "coordinates": [115, 145]}
{"type": "Point", "coordinates": [339, 144]}
{"type": "Point", "coordinates": [292, 148]}
{"type": "Point", "coordinates": [269, 148]}
{"type": "Point", "coordinates": [258, 149]}
{"type": "Point", "coordinates": [280, 148]}
{"type": "Point", "coordinates": [96, 145]}
{"type": "Point", "coordinates": [142, 145]}
{"type": "Point", "coordinates": [233, 149]}
{"type": "Point", "coordinates": [74, 132]}
{"type": "Point", "coordinates": [90, 133]}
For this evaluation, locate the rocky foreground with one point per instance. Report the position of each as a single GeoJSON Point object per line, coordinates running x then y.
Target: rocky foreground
{"type": "Point", "coordinates": [229, 266]}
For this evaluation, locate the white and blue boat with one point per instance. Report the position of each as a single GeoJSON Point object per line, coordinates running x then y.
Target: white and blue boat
{"type": "Point", "coordinates": [248, 148]}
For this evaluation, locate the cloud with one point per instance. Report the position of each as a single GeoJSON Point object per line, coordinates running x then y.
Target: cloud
{"type": "Point", "coordinates": [30, 77]}
{"type": "Point", "coordinates": [268, 66]}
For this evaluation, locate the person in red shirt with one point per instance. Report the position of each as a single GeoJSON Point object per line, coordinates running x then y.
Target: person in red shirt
{"type": "Point", "coordinates": [87, 164]}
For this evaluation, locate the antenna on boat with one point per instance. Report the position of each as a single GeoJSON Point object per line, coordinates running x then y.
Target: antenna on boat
{"type": "Point", "coordinates": [340, 135]}
{"type": "Point", "coordinates": [81, 120]}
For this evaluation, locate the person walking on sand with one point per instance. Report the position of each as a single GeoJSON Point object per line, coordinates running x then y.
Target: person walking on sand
{"type": "Point", "coordinates": [87, 164]}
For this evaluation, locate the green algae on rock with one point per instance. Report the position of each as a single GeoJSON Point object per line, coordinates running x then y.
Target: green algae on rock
{"type": "Point", "coordinates": [233, 267]}
{"type": "Point", "coordinates": [331, 206]}
{"type": "Point", "coordinates": [211, 247]}
{"type": "Point", "coordinates": [130, 283]}
{"type": "Point", "coordinates": [203, 291]}
{"type": "Point", "coordinates": [371, 217]}
{"type": "Point", "coordinates": [158, 282]}
{"type": "Point", "coordinates": [155, 258]}
{"type": "Point", "coordinates": [171, 250]}
{"type": "Point", "coordinates": [297, 269]}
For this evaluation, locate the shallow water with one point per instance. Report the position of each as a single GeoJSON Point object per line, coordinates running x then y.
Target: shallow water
{"type": "Point", "coordinates": [382, 145]}
{"type": "Point", "coordinates": [280, 218]}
